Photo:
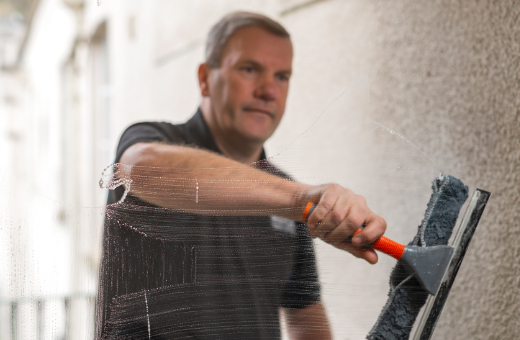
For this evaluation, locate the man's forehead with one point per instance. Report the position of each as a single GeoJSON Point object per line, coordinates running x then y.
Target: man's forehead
{"type": "Point", "coordinates": [255, 44]}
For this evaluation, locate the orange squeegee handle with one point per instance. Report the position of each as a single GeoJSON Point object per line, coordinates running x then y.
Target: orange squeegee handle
{"type": "Point", "coordinates": [383, 244]}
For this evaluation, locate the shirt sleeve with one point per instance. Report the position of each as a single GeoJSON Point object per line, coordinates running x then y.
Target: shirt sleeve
{"type": "Point", "coordinates": [146, 132]}
{"type": "Point", "coordinates": [303, 287]}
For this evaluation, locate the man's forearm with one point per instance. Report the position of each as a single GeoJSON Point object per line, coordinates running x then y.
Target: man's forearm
{"type": "Point", "coordinates": [199, 181]}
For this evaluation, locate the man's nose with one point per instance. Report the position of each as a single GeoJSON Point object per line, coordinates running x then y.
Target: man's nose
{"type": "Point", "coordinates": [266, 89]}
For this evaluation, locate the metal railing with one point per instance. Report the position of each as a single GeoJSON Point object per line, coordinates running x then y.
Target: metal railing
{"type": "Point", "coordinates": [55, 324]}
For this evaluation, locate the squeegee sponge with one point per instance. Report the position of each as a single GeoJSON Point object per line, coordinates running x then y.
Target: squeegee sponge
{"type": "Point", "coordinates": [406, 296]}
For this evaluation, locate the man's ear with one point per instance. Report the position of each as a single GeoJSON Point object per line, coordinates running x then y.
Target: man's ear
{"type": "Point", "coordinates": [203, 74]}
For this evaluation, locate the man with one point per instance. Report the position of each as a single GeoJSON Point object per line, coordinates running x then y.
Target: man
{"type": "Point", "coordinates": [204, 245]}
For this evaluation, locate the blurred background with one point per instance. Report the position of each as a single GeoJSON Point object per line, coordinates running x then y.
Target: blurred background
{"type": "Point", "coordinates": [385, 96]}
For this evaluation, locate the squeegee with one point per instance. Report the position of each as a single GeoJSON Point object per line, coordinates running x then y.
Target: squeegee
{"type": "Point", "coordinates": [409, 293]}
{"type": "Point", "coordinates": [427, 264]}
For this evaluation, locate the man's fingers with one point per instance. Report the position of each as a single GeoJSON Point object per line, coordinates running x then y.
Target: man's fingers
{"type": "Point", "coordinates": [319, 213]}
{"type": "Point", "coordinates": [353, 220]}
{"type": "Point", "coordinates": [334, 217]}
{"type": "Point", "coordinates": [366, 254]}
{"type": "Point", "coordinates": [325, 226]}
{"type": "Point", "coordinates": [375, 227]}
{"type": "Point", "coordinates": [342, 231]}
{"type": "Point", "coordinates": [317, 220]}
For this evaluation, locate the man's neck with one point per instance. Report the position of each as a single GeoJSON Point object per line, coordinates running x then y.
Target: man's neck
{"type": "Point", "coordinates": [243, 155]}
{"type": "Point", "coordinates": [233, 147]}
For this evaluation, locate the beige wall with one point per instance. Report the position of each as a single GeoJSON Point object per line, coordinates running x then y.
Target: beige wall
{"type": "Point", "coordinates": [456, 68]}
{"type": "Point", "coordinates": [444, 75]}
{"type": "Point", "coordinates": [385, 95]}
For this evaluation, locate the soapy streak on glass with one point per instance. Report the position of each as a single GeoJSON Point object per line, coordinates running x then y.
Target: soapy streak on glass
{"type": "Point", "coordinates": [295, 157]}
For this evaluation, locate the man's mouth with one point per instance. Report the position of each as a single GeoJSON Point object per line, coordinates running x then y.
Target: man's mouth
{"type": "Point", "coordinates": [254, 109]}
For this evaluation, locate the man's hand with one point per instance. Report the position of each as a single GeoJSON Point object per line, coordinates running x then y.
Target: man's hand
{"type": "Point", "coordinates": [338, 214]}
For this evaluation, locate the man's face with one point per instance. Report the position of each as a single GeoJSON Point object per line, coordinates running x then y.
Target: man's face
{"type": "Point", "coordinates": [249, 89]}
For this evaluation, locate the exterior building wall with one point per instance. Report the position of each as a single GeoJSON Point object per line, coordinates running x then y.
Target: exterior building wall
{"type": "Point", "coordinates": [35, 241]}
{"type": "Point", "coordinates": [384, 97]}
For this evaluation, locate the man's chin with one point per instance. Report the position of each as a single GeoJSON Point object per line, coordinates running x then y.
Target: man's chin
{"type": "Point", "coordinates": [258, 130]}
{"type": "Point", "coordinates": [257, 139]}
{"type": "Point", "coordinates": [261, 118]}
{"type": "Point", "coordinates": [256, 136]}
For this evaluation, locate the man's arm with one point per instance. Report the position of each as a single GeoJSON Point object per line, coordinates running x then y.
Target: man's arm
{"type": "Point", "coordinates": [308, 323]}
{"type": "Point", "coordinates": [203, 182]}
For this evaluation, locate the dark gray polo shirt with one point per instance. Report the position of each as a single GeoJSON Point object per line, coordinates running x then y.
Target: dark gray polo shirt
{"type": "Point", "coordinates": [166, 274]}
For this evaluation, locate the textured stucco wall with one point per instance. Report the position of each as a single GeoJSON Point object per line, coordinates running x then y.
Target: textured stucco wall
{"type": "Point", "coordinates": [445, 75]}
{"type": "Point", "coordinates": [457, 68]}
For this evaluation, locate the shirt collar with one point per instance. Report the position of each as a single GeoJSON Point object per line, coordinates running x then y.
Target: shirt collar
{"type": "Point", "coordinates": [202, 136]}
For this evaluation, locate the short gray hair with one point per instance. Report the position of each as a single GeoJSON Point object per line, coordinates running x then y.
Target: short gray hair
{"type": "Point", "coordinates": [221, 32]}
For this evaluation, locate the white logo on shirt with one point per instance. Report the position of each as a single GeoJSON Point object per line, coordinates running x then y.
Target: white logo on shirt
{"type": "Point", "coordinates": [283, 224]}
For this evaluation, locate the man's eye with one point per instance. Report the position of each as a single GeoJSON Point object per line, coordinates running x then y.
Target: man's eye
{"type": "Point", "coordinates": [248, 69]}
{"type": "Point", "coordinates": [283, 77]}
